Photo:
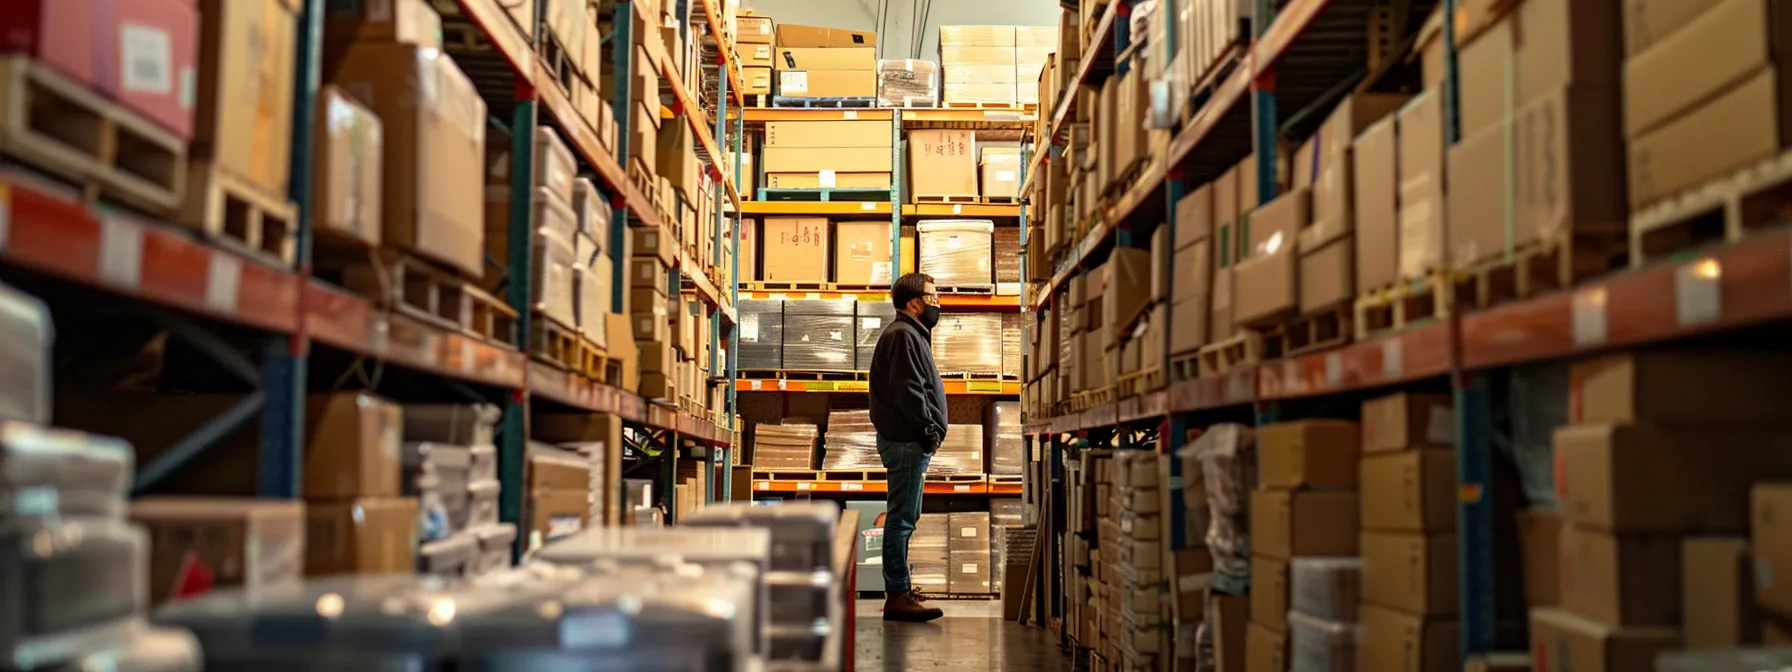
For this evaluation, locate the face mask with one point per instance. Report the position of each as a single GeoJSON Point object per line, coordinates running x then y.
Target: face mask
{"type": "Point", "coordinates": [930, 316]}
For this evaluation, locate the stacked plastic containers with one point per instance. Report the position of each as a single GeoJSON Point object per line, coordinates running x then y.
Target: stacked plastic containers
{"type": "Point", "coordinates": [804, 591]}
{"type": "Point", "coordinates": [73, 584]}
{"type": "Point", "coordinates": [451, 467]}
{"type": "Point", "coordinates": [1322, 623]}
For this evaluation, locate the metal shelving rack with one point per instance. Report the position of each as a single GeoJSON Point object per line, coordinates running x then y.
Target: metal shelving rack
{"type": "Point", "coordinates": [1718, 289]}
{"type": "Point", "coordinates": [50, 233]}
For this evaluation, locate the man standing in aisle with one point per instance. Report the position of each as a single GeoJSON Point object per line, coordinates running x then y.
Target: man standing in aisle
{"type": "Point", "coordinates": [908, 407]}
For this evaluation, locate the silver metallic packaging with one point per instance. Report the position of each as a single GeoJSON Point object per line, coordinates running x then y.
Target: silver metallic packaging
{"type": "Point", "coordinates": [63, 574]}
{"type": "Point", "coordinates": [62, 471]}
{"type": "Point", "coordinates": [1006, 447]}
{"type": "Point", "coordinates": [956, 252]}
{"type": "Point", "coordinates": [818, 335]}
{"type": "Point", "coordinates": [761, 335]}
{"type": "Point", "coordinates": [26, 336]}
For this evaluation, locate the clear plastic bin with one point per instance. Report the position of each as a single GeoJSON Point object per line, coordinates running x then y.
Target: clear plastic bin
{"type": "Point", "coordinates": [1327, 588]}
{"type": "Point", "coordinates": [802, 533]}
{"type": "Point", "coordinates": [1319, 645]}
{"type": "Point", "coordinates": [58, 575]}
{"type": "Point", "coordinates": [45, 470]}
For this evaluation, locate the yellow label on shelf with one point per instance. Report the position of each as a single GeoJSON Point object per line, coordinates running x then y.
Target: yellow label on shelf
{"type": "Point", "coordinates": [821, 386]}
{"type": "Point", "coordinates": [983, 387]}
{"type": "Point", "coordinates": [853, 386]}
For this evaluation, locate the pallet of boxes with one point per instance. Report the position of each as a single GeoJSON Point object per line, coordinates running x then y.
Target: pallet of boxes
{"type": "Point", "coordinates": [1233, 195]}
{"type": "Point", "coordinates": [1213, 594]}
{"type": "Point", "coordinates": [595, 439]}
{"type": "Point", "coordinates": [1124, 147]}
{"type": "Point", "coordinates": [993, 67]}
{"type": "Point", "coordinates": [654, 312]}
{"type": "Point", "coordinates": [753, 39]}
{"type": "Point", "coordinates": [1137, 582]}
{"type": "Point", "coordinates": [451, 468]}
{"type": "Point", "coordinates": [1136, 305]}
{"type": "Point", "coordinates": [841, 159]}
{"type": "Point", "coordinates": [1408, 609]}
{"type": "Point", "coordinates": [826, 67]}
{"type": "Point", "coordinates": [1303, 514]}
{"type": "Point", "coordinates": [1086, 499]}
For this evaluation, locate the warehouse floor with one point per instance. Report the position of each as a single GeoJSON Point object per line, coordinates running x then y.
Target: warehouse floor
{"type": "Point", "coordinates": [972, 636]}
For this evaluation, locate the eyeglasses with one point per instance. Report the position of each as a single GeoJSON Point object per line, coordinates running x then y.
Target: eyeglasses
{"type": "Point", "coordinates": [931, 299]}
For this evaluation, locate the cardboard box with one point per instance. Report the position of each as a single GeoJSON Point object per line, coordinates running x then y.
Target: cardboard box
{"type": "Point", "coordinates": [1717, 592]}
{"type": "Point", "coordinates": [433, 150]}
{"type": "Point", "coordinates": [942, 163]}
{"type": "Point", "coordinates": [827, 179]}
{"type": "Point", "coordinates": [1396, 641]}
{"type": "Point", "coordinates": [1539, 548]}
{"type": "Point", "coordinates": [1265, 288]}
{"type": "Point", "coordinates": [1308, 522]}
{"type": "Point", "coordinates": [1325, 270]}
{"type": "Point", "coordinates": [1375, 189]}
{"type": "Point", "coordinates": [1190, 298]}
{"type": "Point", "coordinates": [1567, 42]}
{"type": "Point", "coordinates": [1230, 615]}
{"type": "Point", "coordinates": [1619, 578]}
{"type": "Point", "coordinates": [754, 55]}
{"type": "Point", "coordinates": [999, 174]}
{"type": "Point", "coordinates": [1407, 421]}
{"type": "Point", "coordinates": [749, 29]}
{"type": "Point", "coordinates": [862, 253]}
{"type": "Point", "coordinates": [1410, 491]}
{"type": "Point", "coordinates": [1479, 208]}
{"type": "Point", "coordinates": [796, 249]}
{"type": "Point", "coordinates": [1422, 206]}
{"type": "Point", "coordinates": [837, 159]}
{"type": "Point", "coordinates": [1650, 21]}
{"type": "Point", "coordinates": [1565, 641]}
{"type": "Point", "coordinates": [825, 58]}
{"type": "Point", "coordinates": [1266, 650]}
{"type": "Point", "coordinates": [828, 134]}
{"type": "Point", "coordinates": [791, 35]}
{"type": "Point", "coordinates": [1308, 453]}
{"type": "Point", "coordinates": [1739, 127]}
{"type": "Point", "coordinates": [1269, 593]}
{"type": "Point", "coordinates": [1772, 504]}
{"type": "Point", "coordinates": [827, 83]}
{"type": "Point", "coordinates": [1486, 67]}
{"type": "Point", "coordinates": [352, 446]}
{"type": "Point", "coordinates": [361, 536]}
{"type": "Point", "coordinates": [243, 120]}
{"type": "Point", "coordinates": [1649, 386]}
{"type": "Point", "coordinates": [1128, 287]}
{"type": "Point", "coordinates": [1415, 573]}
{"type": "Point", "coordinates": [1700, 59]}
{"type": "Point", "coordinates": [556, 513]}
{"type": "Point", "coordinates": [1569, 165]}
{"type": "Point", "coordinates": [1639, 478]}
{"type": "Point", "coordinates": [1194, 216]}
{"type": "Point", "coordinates": [1274, 225]}
{"type": "Point", "coordinates": [255, 544]}
{"type": "Point", "coordinates": [756, 81]}
{"type": "Point", "coordinates": [1221, 314]}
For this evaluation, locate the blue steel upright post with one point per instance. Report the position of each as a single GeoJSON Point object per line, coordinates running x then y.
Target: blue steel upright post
{"type": "Point", "coordinates": [283, 360]}
{"type": "Point", "coordinates": [719, 459]}
{"type": "Point", "coordinates": [513, 430]}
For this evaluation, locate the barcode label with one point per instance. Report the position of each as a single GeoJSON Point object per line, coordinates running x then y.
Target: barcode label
{"type": "Point", "coordinates": [223, 275]}
{"type": "Point", "coordinates": [146, 55]}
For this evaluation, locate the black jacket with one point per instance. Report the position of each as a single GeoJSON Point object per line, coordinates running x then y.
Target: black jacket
{"type": "Point", "coordinates": [908, 401]}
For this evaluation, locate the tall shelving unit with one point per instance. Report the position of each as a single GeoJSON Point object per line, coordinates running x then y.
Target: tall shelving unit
{"type": "Point", "coordinates": [227, 304]}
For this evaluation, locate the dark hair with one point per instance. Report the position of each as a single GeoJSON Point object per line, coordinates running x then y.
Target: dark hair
{"type": "Point", "coordinates": [908, 288]}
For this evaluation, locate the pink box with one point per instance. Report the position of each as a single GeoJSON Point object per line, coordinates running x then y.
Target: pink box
{"type": "Point", "coordinates": [56, 33]}
{"type": "Point", "coordinates": [148, 50]}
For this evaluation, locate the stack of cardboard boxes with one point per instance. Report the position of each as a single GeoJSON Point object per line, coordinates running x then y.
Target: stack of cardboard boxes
{"type": "Point", "coordinates": [969, 553]}
{"type": "Point", "coordinates": [1122, 143]}
{"type": "Point", "coordinates": [994, 64]}
{"type": "Point", "coordinates": [1408, 505]}
{"type": "Point", "coordinates": [1140, 592]}
{"type": "Point", "coordinates": [1639, 503]}
{"type": "Point", "coordinates": [1304, 507]}
{"type": "Point", "coordinates": [816, 62]}
{"type": "Point", "coordinates": [598, 438]}
{"type": "Point", "coordinates": [942, 164]}
{"type": "Point", "coordinates": [753, 38]}
{"type": "Point", "coordinates": [1087, 498]}
{"type": "Point", "coordinates": [652, 312]}
{"type": "Point", "coordinates": [843, 154]}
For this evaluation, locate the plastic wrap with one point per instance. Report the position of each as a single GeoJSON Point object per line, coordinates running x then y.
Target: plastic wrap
{"type": "Point", "coordinates": [59, 574]}
{"type": "Point", "coordinates": [802, 533]}
{"type": "Point", "coordinates": [1539, 404]}
{"type": "Point", "coordinates": [968, 343]}
{"type": "Point", "coordinates": [1325, 588]}
{"type": "Point", "coordinates": [1005, 243]}
{"type": "Point", "coordinates": [457, 424]}
{"type": "Point", "coordinates": [956, 252]}
{"type": "Point", "coordinates": [1007, 454]}
{"type": "Point", "coordinates": [1228, 456]}
{"type": "Point", "coordinates": [482, 504]}
{"type": "Point", "coordinates": [551, 259]}
{"type": "Point", "coordinates": [908, 82]}
{"type": "Point", "coordinates": [786, 446]}
{"type": "Point", "coordinates": [870, 318]}
{"type": "Point", "coordinates": [593, 212]}
{"type": "Point", "coordinates": [26, 336]}
{"type": "Point", "coordinates": [818, 335]}
{"type": "Point", "coordinates": [138, 648]}
{"type": "Point", "coordinates": [761, 334]}
{"type": "Point", "coordinates": [1319, 645]}
{"type": "Point", "coordinates": [960, 453]}
{"type": "Point", "coordinates": [851, 442]}
{"type": "Point", "coordinates": [1007, 512]}
{"type": "Point", "coordinates": [61, 471]}
{"type": "Point", "coordinates": [801, 602]}
{"type": "Point", "coordinates": [1748, 660]}
{"type": "Point", "coordinates": [1011, 345]}
{"type": "Point", "coordinates": [376, 623]}
{"type": "Point", "coordinates": [927, 553]}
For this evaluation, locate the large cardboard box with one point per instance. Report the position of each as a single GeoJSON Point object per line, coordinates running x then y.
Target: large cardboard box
{"type": "Point", "coordinates": [753, 55]}
{"type": "Point", "coordinates": [1375, 190]}
{"type": "Point", "coordinates": [1772, 503]}
{"type": "Point", "coordinates": [1266, 650]}
{"type": "Point", "coordinates": [552, 514]}
{"type": "Point", "coordinates": [1230, 616]}
{"type": "Point", "coordinates": [1128, 286]}
{"type": "Point", "coordinates": [1269, 593]}
{"type": "Point", "coordinates": [1396, 641]}
{"type": "Point", "coordinates": [370, 535]}
{"type": "Point", "coordinates": [825, 58]}
{"type": "Point", "coordinates": [827, 83]}
{"type": "Point", "coordinates": [1308, 453]}
{"type": "Point", "coordinates": [1701, 58]}
{"type": "Point", "coordinates": [243, 121]}
{"type": "Point", "coordinates": [1190, 295]}
{"type": "Point", "coordinates": [1406, 421]}
{"type": "Point", "coordinates": [1567, 43]}
{"type": "Point", "coordinates": [248, 543]}
{"type": "Point", "coordinates": [1743, 125]}
{"type": "Point", "coordinates": [1649, 386]}
{"type": "Point", "coordinates": [1480, 210]}
{"type": "Point", "coordinates": [836, 159]}
{"type": "Point", "coordinates": [1326, 271]}
{"type": "Point", "coordinates": [352, 446]}
{"type": "Point", "coordinates": [1194, 216]}
{"type": "Point", "coordinates": [433, 149]}
{"type": "Point", "coordinates": [792, 35]}
{"type": "Point", "coordinates": [1565, 641]}
{"type": "Point", "coordinates": [1568, 168]}
{"type": "Point", "coordinates": [1619, 578]}
{"type": "Point", "coordinates": [827, 134]}
{"type": "Point", "coordinates": [1640, 478]}
{"type": "Point", "coordinates": [1422, 206]}
{"type": "Point", "coordinates": [1415, 573]}
{"type": "Point", "coordinates": [796, 249]}
{"type": "Point", "coordinates": [942, 163]}
{"type": "Point", "coordinates": [1717, 592]}
{"type": "Point", "coordinates": [1222, 323]}
{"type": "Point", "coordinates": [1409, 491]}
{"type": "Point", "coordinates": [1650, 21]}
{"type": "Point", "coordinates": [1288, 524]}
{"type": "Point", "coordinates": [346, 199]}
{"type": "Point", "coordinates": [862, 253]}
{"type": "Point", "coordinates": [1539, 548]}
{"type": "Point", "coordinates": [749, 29]}
{"type": "Point", "coordinates": [1265, 287]}
{"type": "Point", "coordinates": [756, 81]}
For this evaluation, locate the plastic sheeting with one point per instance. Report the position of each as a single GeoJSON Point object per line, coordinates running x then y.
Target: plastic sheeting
{"type": "Point", "coordinates": [1006, 450]}
{"type": "Point", "coordinates": [761, 334]}
{"type": "Point", "coordinates": [851, 442]}
{"type": "Point", "coordinates": [870, 318]}
{"type": "Point", "coordinates": [960, 453]}
{"type": "Point", "coordinates": [1005, 241]}
{"type": "Point", "coordinates": [1228, 456]}
{"type": "Point", "coordinates": [956, 252]}
{"type": "Point", "coordinates": [968, 343]}
{"type": "Point", "coordinates": [818, 335]}
{"type": "Point", "coordinates": [786, 446]}
{"type": "Point", "coordinates": [1011, 344]}
{"type": "Point", "coordinates": [907, 82]}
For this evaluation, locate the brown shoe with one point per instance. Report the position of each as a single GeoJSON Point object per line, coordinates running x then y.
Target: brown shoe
{"type": "Point", "coordinates": [907, 608]}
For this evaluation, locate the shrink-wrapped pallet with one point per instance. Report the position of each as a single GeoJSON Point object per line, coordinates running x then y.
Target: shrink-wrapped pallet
{"type": "Point", "coordinates": [961, 453]}
{"type": "Point", "coordinates": [761, 335]}
{"type": "Point", "coordinates": [928, 555]}
{"type": "Point", "coordinates": [851, 442]}
{"type": "Point", "coordinates": [89, 475]}
{"type": "Point", "coordinates": [786, 446]}
{"type": "Point", "coordinates": [868, 324]}
{"type": "Point", "coordinates": [908, 82]}
{"type": "Point", "coordinates": [1325, 588]}
{"type": "Point", "coordinates": [1011, 345]}
{"type": "Point", "coordinates": [65, 574]}
{"type": "Point", "coordinates": [1005, 242]}
{"type": "Point", "coordinates": [818, 335]}
{"type": "Point", "coordinates": [1006, 449]}
{"type": "Point", "coordinates": [956, 252]}
{"type": "Point", "coordinates": [26, 335]}
{"type": "Point", "coordinates": [1228, 457]}
{"type": "Point", "coordinates": [968, 343]}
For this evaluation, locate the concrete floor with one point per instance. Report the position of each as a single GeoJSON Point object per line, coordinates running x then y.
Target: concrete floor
{"type": "Point", "coordinates": [972, 636]}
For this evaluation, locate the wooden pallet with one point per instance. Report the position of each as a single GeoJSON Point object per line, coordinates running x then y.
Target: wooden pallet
{"type": "Point", "coordinates": [784, 286]}
{"type": "Point", "coordinates": [60, 127]}
{"type": "Point", "coordinates": [1186, 366]}
{"type": "Point", "coordinates": [404, 283]}
{"type": "Point", "coordinates": [786, 475]}
{"type": "Point", "coordinates": [1402, 305]}
{"type": "Point", "coordinates": [936, 198]}
{"type": "Point", "coordinates": [1725, 210]}
{"type": "Point", "coordinates": [854, 475]}
{"type": "Point", "coordinates": [855, 102]}
{"type": "Point", "coordinates": [955, 478]}
{"type": "Point", "coordinates": [1242, 350]}
{"type": "Point", "coordinates": [979, 290]}
{"type": "Point", "coordinates": [1537, 269]}
{"type": "Point", "coordinates": [825, 195]}
{"type": "Point", "coordinates": [787, 374]}
{"type": "Point", "coordinates": [1001, 200]}
{"type": "Point", "coordinates": [975, 376]}
{"type": "Point", "coordinates": [1308, 333]}
{"type": "Point", "coordinates": [236, 213]}
{"type": "Point", "coordinates": [559, 345]}
{"type": "Point", "coordinates": [1122, 183]}
{"type": "Point", "coordinates": [985, 597]}
{"type": "Point", "coordinates": [1083, 401]}
{"type": "Point", "coordinates": [988, 105]}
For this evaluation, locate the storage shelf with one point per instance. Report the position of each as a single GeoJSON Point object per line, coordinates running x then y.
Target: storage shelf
{"type": "Point", "coordinates": [685, 106]}
{"type": "Point", "coordinates": [801, 208]}
{"type": "Point", "coordinates": [996, 210]}
{"type": "Point", "coordinates": [709, 15]}
{"type": "Point", "coordinates": [1097, 59]}
{"type": "Point", "coordinates": [760, 115]}
{"type": "Point", "coordinates": [705, 289]}
{"type": "Point", "coordinates": [1017, 119]}
{"type": "Point", "coordinates": [953, 387]}
{"type": "Point", "coordinates": [962, 302]}
{"type": "Point", "coordinates": [849, 487]}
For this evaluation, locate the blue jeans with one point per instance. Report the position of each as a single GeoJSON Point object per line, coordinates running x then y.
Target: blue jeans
{"type": "Point", "coordinates": [907, 467]}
